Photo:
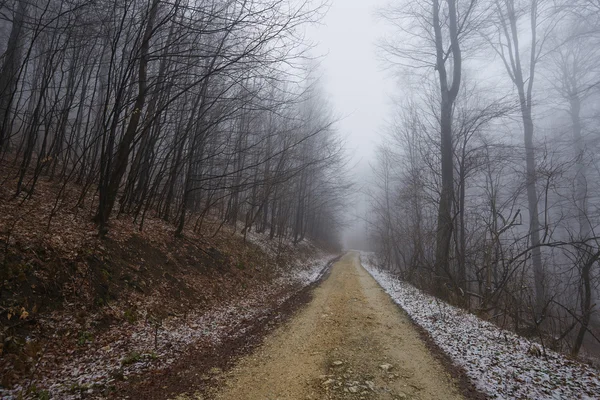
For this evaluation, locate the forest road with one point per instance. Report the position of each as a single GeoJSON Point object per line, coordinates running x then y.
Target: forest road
{"type": "Point", "coordinates": [350, 342]}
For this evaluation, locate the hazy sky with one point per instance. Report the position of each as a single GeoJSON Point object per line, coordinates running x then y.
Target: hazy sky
{"type": "Point", "coordinates": [353, 77]}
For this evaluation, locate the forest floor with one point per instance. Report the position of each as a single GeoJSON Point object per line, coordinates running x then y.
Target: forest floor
{"type": "Point", "coordinates": [83, 317]}
{"type": "Point", "coordinates": [350, 342]}
{"type": "Point", "coordinates": [140, 345]}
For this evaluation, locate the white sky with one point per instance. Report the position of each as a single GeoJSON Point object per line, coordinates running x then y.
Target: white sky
{"type": "Point", "coordinates": [354, 78]}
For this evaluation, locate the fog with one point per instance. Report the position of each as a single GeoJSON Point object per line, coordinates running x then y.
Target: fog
{"type": "Point", "coordinates": [486, 186]}
{"type": "Point", "coordinates": [357, 83]}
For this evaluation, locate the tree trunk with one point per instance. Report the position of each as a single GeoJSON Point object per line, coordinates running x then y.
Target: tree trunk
{"type": "Point", "coordinates": [9, 72]}
{"type": "Point", "coordinates": [585, 228]}
{"type": "Point", "coordinates": [448, 92]}
{"type": "Point", "coordinates": [534, 222]}
{"type": "Point", "coordinates": [122, 156]}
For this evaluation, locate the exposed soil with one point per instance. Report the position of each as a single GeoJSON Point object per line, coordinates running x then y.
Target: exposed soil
{"type": "Point", "coordinates": [350, 342]}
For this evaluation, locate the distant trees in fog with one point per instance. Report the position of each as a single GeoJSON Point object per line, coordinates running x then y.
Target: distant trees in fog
{"type": "Point", "coordinates": [514, 87]}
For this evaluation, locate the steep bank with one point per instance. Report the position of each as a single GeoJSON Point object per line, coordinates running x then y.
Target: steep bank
{"type": "Point", "coordinates": [80, 314]}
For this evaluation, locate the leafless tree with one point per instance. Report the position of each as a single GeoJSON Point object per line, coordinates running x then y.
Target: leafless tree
{"type": "Point", "coordinates": [191, 111]}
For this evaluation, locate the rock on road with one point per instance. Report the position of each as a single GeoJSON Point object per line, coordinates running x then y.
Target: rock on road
{"type": "Point", "coordinates": [350, 342]}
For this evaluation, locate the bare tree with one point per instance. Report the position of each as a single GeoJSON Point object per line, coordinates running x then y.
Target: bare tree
{"type": "Point", "coordinates": [193, 112]}
{"type": "Point", "coordinates": [436, 33]}
{"type": "Point", "coordinates": [520, 63]}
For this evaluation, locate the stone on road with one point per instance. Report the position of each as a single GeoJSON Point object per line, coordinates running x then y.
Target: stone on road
{"type": "Point", "coordinates": [350, 342]}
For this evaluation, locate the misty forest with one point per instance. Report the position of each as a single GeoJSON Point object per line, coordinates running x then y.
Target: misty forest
{"type": "Point", "coordinates": [189, 208]}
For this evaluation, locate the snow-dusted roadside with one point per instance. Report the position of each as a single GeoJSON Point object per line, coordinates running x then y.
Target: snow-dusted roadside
{"type": "Point", "coordinates": [497, 361]}
{"type": "Point", "coordinates": [127, 350]}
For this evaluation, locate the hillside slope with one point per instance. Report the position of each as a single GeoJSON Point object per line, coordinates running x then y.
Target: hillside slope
{"type": "Point", "coordinates": [80, 314]}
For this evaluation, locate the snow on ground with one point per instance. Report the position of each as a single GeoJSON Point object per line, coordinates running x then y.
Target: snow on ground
{"type": "Point", "coordinates": [128, 350]}
{"type": "Point", "coordinates": [307, 273]}
{"type": "Point", "coordinates": [497, 361]}
{"type": "Point", "coordinates": [303, 272]}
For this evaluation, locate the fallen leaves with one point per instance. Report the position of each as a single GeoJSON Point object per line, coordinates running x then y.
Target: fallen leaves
{"type": "Point", "coordinates": [21, 312]}
{"type": "Point", "coordinates": [92, 302]}
{"type": "Point", "coordinates": [149, 342]}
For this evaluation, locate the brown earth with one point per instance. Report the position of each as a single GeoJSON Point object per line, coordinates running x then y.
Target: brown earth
{"type": "Point", "coordinates": [65, 292]}
{"type": "Point", "coordinates": [350, 342]}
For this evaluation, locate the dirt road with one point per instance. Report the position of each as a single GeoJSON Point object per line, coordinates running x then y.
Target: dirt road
{"type": "Point", "coordinates": [350, 342]}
